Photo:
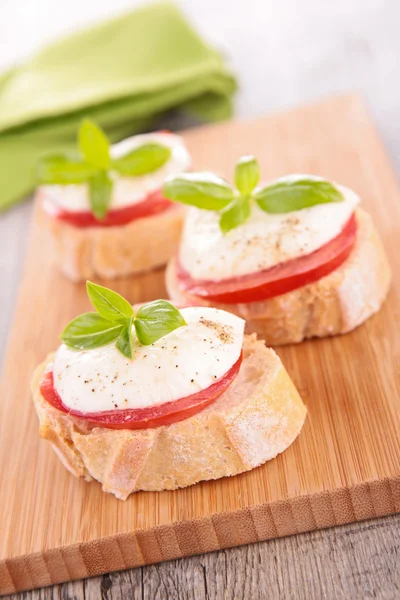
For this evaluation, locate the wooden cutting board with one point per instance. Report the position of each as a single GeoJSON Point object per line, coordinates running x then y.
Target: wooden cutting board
{"type": "Point", "coordinates": [344, 467]}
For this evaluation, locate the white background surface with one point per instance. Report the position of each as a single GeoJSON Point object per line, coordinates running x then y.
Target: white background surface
{"type": "Point", "coordinates": [284, 52]}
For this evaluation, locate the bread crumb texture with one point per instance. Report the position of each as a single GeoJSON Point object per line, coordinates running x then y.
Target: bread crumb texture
{"type": "Point", "coordinates": [110, 252]}
{"type": "Point", "coordinates": [258, 417]}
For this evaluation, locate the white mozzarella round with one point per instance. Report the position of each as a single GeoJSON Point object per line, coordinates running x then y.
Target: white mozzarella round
{"type": "Point", "coordinates": [184, 362]}
{"type": "Point", "coordinates": [263, 241]}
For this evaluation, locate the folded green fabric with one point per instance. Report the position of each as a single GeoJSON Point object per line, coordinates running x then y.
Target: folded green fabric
{"type": "Point", "coordinates": [122, 73]}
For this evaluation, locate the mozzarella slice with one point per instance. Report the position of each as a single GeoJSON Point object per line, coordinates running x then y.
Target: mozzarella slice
{"type": "Point", "coordinates": [184, 362]}
{"type": "Point", "coordinates": [126, 190]}
{"type": "Point", "coordinates": [263, 241]}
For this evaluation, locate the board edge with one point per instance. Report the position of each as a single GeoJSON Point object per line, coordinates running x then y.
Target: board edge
{"type": "Point", "coordinates": [299, 514]}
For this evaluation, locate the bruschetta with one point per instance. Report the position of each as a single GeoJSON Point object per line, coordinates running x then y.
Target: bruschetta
{"type": "Point", "coordinates": [105, 209]}
{"type": "Point", "coordinates": [152, 398]}
{"type": "Point", "coordinates": [296, 258]}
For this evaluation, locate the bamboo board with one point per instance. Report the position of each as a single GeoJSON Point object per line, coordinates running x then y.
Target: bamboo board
{"type": "Point", "coordinates": [344, 467]}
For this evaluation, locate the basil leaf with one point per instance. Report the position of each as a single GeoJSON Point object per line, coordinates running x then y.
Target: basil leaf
{"type": "Point", "coordinates": [94, 145]}
{"type": "Point", "coordinates": [100, 188]}
{"type": "Point", "coordinates": [90, 330]}
{"type": "Point", "coordinates": [235, 214]}
{"type": "Point", "coordinates": [142, 160]}
{"type": "Point", "coordinates": [247, 174]}
{"type": "Point", "coordinates": [108, 303]}
{"type": "Point", "coordinates": [204, 190]}
{"type": "Point", "coordinates": [124, 342]}
{"type": "Point", "coordinates": [156, 319]}
{"type": "Point", "coordinates": [288, 195]}
{"type": "Point", "coordinates": [63, 169]}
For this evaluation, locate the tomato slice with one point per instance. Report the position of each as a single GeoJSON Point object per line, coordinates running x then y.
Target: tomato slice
{"type": "Point", "coordinates": [278, 280]}
{"type": "Point", "coordinates": [153, 204]}
{"type": "Point", "coordinates": [145, 418]}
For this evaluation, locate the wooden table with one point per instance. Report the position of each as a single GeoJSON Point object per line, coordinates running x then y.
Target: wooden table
{"type": "Point", "coordinates": [352, 44]}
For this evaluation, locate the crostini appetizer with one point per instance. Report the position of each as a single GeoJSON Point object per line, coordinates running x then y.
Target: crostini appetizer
{"type": "Point", "coordinates": [104, 205]}
{"type": "Point", "coordinates": [296, 258]}
{"type": "Point", "coordinates": [156, 398]}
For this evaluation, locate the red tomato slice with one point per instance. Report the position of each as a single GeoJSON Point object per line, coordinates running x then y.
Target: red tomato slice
{"type": "Point", "coordinates": [145, 418]}
{"type": "Point", "coordinates": [278, 280]}
{"type": "Point", "coordinates": [153, 204]}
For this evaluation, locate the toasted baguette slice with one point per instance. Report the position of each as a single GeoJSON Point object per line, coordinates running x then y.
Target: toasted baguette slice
{"type": "Point", "coordinates": [335, 304]}
{"type": "Point", "coordinates": [110, 252]}
{"type": "Point", "coordinates": [258, 417]}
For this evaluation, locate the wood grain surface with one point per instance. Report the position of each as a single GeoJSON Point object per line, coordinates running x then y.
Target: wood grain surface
{"type": "Point", "coordinates": [345, 465]}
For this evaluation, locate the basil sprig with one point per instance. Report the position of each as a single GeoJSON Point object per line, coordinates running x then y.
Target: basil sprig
{"type": "Point", "coordinates": [93, 165]}
{"type": "Point", "coordinates": [207, 191]}
{"type": "Point", "coordinates": [115, 319]}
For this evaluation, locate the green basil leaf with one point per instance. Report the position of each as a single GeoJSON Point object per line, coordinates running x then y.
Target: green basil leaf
{"type": "Point", "coordinates": [235, 214]}
{"type": "Point", "coordinates": [289, 194]}
{"type": "Point", "coordinates": [100, 188]}
{"type": "Point", "coordinates": [124, 342]}
{"type": "Point", "coordinates": [108, 303]}
{"type": "Point", "coordinates": [247, 174]}
{"type": "Point", "coordinates": [204, 190]}
{"type": "Point", "coordinates": [90, 330]}
{"type": "Point", "coordinates": [63, 169]}
{"type": "Point", "coordinates": [94, 145]}
{"type": "Point", "coordinates": [142, 160]}
{"type": "Point", "coordinates": [156, 319]}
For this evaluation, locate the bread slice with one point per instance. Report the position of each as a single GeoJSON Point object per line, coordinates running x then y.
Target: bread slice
{"type": "Point", "coordinates": [109, 252]}
{"type": "Point", "coordinates": [258, 417]}
{"type": "Point", "coordinates": [335, 304]}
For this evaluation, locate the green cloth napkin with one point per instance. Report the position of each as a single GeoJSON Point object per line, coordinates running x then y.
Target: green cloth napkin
{"type": "Point", "coordinates": [122, 73]}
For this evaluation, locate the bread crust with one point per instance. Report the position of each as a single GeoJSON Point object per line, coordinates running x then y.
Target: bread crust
{"type": "Point", "coordinates": [335, 304]}
{"type": "Point", "coordinates": [258, 417]}
{"type": "Point", "coordinates": [109, 252]}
